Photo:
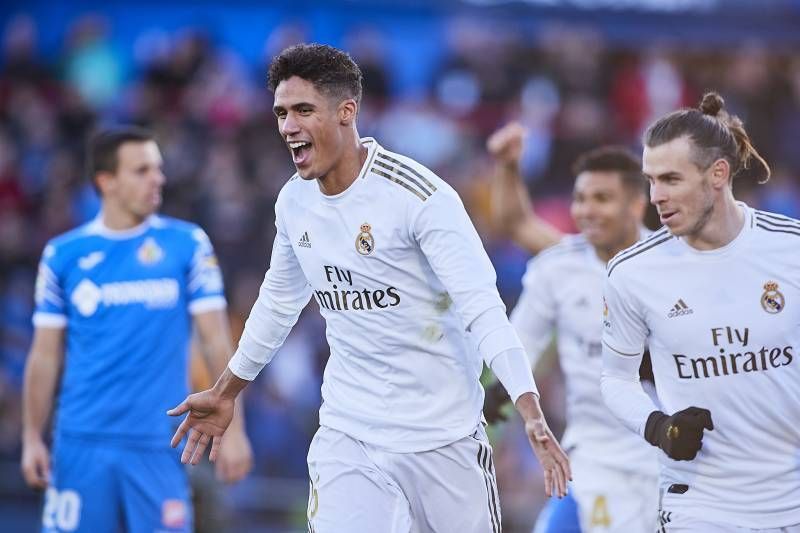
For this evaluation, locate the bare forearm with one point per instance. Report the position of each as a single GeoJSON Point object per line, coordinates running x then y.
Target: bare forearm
{"type": "Point", "coordinates": [509, 197]}
{"type": "Point", "coordinates": [41, 379]}
{"type": "Point", "coordinates": [528, 407]}
{"type": "Point", "coordinates": [216, 346]}
{"type": "Point", "coordinates": [215, 343]}
{"type": "Point", "coordinates": [513, 214]}
{"type": "Point", "coordinates": [218, 355]}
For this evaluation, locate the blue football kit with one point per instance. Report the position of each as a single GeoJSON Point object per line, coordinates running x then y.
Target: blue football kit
{"type": "Point", "coordinates": [559, 515]}
{"type": "Point", "coordinates": [125, 300]}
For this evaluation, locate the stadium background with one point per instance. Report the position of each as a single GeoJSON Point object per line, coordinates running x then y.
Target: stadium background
{"type": "Point", "coordinates": [439, 77]}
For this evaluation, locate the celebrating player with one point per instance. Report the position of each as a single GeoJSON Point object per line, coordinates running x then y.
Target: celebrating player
{"type": "Point", "coordinates": [113, 301]}
{"type": "Point", "coordinates": [388, 252]}
{"type": "Point", "coordinates": [615, 473]}
{"type": "Point", "coordinates": [715, 295]}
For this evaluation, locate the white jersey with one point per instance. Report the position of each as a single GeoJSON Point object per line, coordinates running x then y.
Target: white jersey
{"type": "Point", "coordinates": [723, 328]}
{"type": "Point", "coordinates": [563, 292]}
{"type": "Point", "coordinates": [399, 273]}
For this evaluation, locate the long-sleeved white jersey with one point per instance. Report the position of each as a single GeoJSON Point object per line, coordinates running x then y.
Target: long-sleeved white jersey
{"type": "Point", "coordinates": [399, 274]}
{"type": "Point", "coordinates": [723, 329]}
{"type": "Point", "coordinates": [563, 293]}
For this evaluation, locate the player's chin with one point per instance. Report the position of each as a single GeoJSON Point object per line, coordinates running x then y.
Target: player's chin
{"type": "Point", "coordinates": [306, 172]}
{"type": "Point", "coordinates": [151, 208]}
{"type": "Point", "coordinates": [596, 237]}
{"type": "Point", "coordinates": [675, 227]}
{"type": "Point", "coordinates": [150, 205]}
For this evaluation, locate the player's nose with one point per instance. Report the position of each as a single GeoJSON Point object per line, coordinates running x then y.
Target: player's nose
{"type": "Point", "coordinates": [159, 178]}
{"type": "Point", "coordinates": [657, 194]}
{"type": "Point", "coordinates": [289, 126]}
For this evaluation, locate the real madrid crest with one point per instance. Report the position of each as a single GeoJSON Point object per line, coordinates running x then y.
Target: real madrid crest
{"type": "Point", "coordinates": [365, 243]}
{"type": "Point", "coordinates": [772, 300]}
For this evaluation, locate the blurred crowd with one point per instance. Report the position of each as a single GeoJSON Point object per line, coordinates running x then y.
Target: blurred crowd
{"type": "Point", "coordinates": [225, 164]}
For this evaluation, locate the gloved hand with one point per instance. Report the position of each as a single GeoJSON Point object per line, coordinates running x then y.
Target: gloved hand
{"type": "Point", "coordinates": [679, 435]}
{"type": "Point", "coordinates": [496, 398]}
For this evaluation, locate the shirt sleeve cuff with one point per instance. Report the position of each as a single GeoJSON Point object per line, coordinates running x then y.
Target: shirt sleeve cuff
{"type": "Point", "coordinates": [49, 320]}
{"type": "Point", "coordinates": [514, 373]}
{"type": "Point", "coordinates": [243, 367]}
{"type": "Point", "coordinates": [208, 303]}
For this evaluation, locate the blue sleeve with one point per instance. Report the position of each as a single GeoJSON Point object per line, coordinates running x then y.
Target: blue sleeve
{"type": "Point", "coordinates": [50, 308]}
{"type": "Point", "coordinates": [204, 283]}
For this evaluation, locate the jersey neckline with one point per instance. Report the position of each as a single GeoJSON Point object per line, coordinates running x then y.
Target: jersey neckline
{"type": "Point", "coordinates": [644, 232]}
{"type": "Point", "coordinates": [372, 147]}
{"type": "Point", "coordinates": [97, 227]}
{"type": "Point", "coordinates": [741, 237]}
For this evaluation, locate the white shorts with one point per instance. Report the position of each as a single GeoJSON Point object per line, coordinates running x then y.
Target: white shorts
{"type": "Point", "coordinates": [669, 522]}
{"type": "Point", "coordinates": [356, 487]}
{"type": "Point", "coordinates": [613, 501]}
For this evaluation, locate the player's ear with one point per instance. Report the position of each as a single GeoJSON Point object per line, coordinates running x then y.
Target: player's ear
{"type": "Point", "coordinates": [347, 111]}
{"type": "Point", "coordinates": [720, 171]}
{"type": "Point", "coordinates": [105, 182]}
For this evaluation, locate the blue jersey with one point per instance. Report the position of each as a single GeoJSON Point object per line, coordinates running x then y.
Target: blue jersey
{"type": "Point", "coordinates": [125, 299]}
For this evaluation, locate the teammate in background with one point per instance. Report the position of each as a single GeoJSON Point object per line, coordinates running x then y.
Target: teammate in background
{"type": "Point", "coordinates": [715, 295]}
{"type": "Point", "coordinates": [112, 323]}
{"type": "Point", "coordinates": [408, 293]}
{"type": "Point", "coordinates": [615, 474]}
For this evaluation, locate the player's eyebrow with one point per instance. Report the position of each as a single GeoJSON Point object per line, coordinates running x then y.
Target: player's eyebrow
{"type": "Point", "coordinates": [278, 108]}
{"type": "Point", "coordinates": [144, 167]}
{"type": "Point", "coordinates": [664, 175]}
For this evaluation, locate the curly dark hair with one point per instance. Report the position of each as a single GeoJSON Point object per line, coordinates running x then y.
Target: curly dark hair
{"type": "Point", "coordinates": [331, 71]}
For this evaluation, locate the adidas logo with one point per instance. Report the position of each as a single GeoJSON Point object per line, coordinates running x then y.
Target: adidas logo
{"type": "Point", "coordinates": [305, 242]}
{"type": "Point", "coordinates": [680, 309]}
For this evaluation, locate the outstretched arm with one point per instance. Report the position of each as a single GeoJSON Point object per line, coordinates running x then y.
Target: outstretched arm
{"type": "Point", "coordinates": [503, 353]}
{"type": "Point", "coordinates": [453, 249]}
{"type": "Point", "coordinates": [512, 210]}
{"type": "Point", "coordinates": [534, 318]}
{"type": "Point", "coordinates": [283, 295]}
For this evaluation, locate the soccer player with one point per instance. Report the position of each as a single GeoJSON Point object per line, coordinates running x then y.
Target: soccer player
{"type": "Point", "coordinates": [112, 323]}
{"type": "Point", "coordinates": [388, 252]}
{"type": "Point", "coordinates": [615, 473]}
{"type": "Point", "coordinates": [715, 295]}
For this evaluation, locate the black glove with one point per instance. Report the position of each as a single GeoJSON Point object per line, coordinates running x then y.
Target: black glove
{"type": "Point", "coordinates": [679, 435]}
{"type": "Point", "coordinates": [496, 399]}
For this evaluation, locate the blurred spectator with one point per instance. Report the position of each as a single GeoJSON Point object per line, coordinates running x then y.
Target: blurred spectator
{"type": "Point", "coordinates": [91, 65]}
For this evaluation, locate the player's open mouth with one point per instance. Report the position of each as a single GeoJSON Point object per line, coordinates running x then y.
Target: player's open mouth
{"type": "Point", "coordinates": [300, 151]}
{"type": "Point", "coordinates": [667, 216]}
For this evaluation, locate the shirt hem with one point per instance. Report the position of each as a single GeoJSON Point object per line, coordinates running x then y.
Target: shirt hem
{"type": "Point", "coordinates": [392, 445]}
{"type": "Point", "coordinates": [751, 521]}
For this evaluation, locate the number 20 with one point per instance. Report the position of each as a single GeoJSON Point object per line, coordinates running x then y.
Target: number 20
{"type": "Point", "coordinates": [62, 510]}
